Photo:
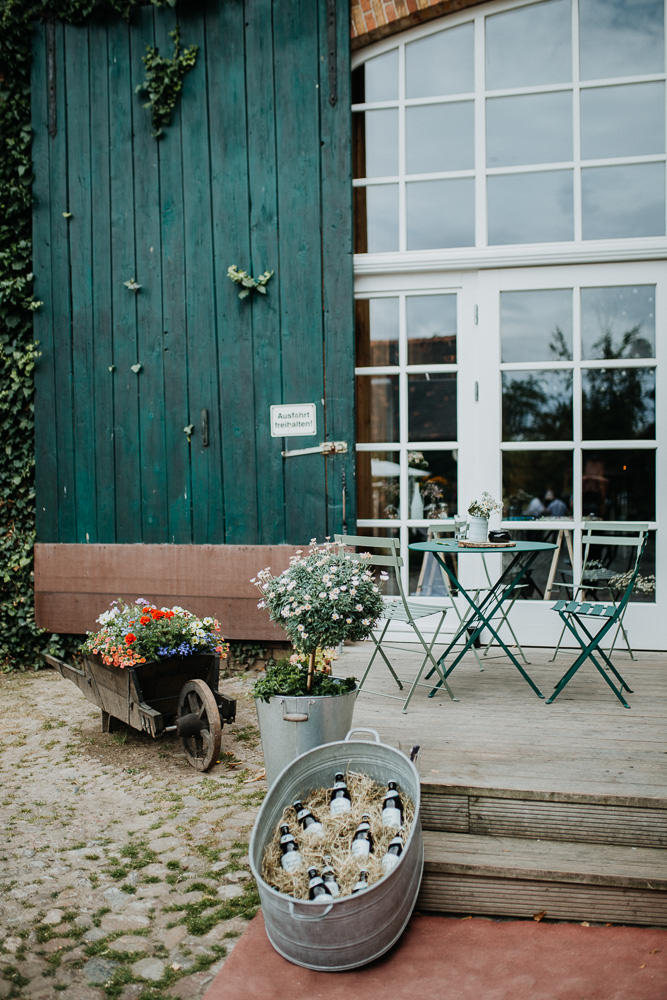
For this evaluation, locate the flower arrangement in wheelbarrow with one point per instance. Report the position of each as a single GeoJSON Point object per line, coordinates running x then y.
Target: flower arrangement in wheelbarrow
{"type": "Point", "coordinates": [141, 632]}
{"type": "Point", "coordinates": [321, 599]}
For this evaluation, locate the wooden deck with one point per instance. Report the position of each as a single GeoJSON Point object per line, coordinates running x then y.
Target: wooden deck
{"type": "Point", "coordinates": [529, 807]}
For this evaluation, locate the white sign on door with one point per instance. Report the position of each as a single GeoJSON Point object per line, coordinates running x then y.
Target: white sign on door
{"type": "Point", "coordinates": [293, 420]}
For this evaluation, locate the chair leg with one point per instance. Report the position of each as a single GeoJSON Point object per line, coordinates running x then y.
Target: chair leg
{"type": "Point", "coordinates": [560, 639]}
{"type": "Point", "coordinates": [378, 649]}
{"type": "Point", "coordinates": [428, 650]}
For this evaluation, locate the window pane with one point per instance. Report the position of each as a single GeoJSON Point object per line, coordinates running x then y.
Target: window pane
{"type": "Point", "coordinates": [618, 322]}
{"type": "Point", "coordinates": [441, 214]}
{"type": "Point", "coordinates": [432, 407]}
{"type": "Point", "coordinates": [536, 326]}
{"type": "Point", "coordinates": [617, 38]}
{"type": "Point", "coordinates": [537, 406]}
{"type": "Point", "coordinates": [529, 129]}
{"type": "Point", "coordinates": [623, 121]}
{"type": "Point", "coordinates": [432, 479]}
{"type": "Point", "coordinates": [440, 137]}
{"type": "Point", "coordinates": [376, 79]}
{"type": "Point", "coordinates": [377, 407]}
{"type": "Point", "coordinates": [377, 332]}
{"type": "Point", "coordinates": [618, 403]}
{"type": "Point", "coordinates": [376, 218]}
{"type": "Point", "coordinates": [376, 143]}
{"type": "Point", "coordinates": [378, 483]}
{"type": "Point", "coordinates": [531, 208]}
{"type": "Point", "coordinates": [618, 485]}
{"type": "Point", "coordinates": [534, 585]}
{"type": "Point", "coordinates": [529, 46]}
{"type": "Point", "coordinates": [537, 483]}
{"type": "Point", "coordinates": [623, 201]}
{"type": "Point", "coordinates": [431, 324]}
{"type": "Point", "coordinates": [440, 64]}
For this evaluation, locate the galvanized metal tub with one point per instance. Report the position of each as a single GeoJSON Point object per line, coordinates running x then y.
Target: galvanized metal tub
{"type": "Point", "coordinates": [292, 725]}
{"type": "Point", "coordinates": [354, 930]}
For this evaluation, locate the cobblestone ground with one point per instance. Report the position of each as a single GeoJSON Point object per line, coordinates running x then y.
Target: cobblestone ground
{"type": "Point", "coordinates": [123, 871]}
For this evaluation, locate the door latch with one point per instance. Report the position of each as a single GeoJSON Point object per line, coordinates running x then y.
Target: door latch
{"type": "Point", "coordinates": [325, 448]}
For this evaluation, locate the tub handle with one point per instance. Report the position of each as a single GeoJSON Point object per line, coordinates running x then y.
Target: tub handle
{"type": "Point", "coordinates": [359, 730]}
{"type": "Point", "coordinates": [303, 916]}
{"type": "Point", "coordinates": [294, 716]}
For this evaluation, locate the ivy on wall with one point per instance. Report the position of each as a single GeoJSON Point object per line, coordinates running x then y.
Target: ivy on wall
{"type": "Point", "coordinates": [21, 641]}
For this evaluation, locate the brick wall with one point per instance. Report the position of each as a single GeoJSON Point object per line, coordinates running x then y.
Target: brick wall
{"type": "Point", "coordinates": [373, 19]}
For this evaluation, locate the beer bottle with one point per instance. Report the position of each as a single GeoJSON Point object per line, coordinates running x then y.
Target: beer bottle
{"type": "Point", "coordinates": [316, 886]}
{"type": "Point", "coordinates": [329, 877]}
{"type": "Point", "coordinates": [340, 801]}
{"type": "Point", "coordinates": [362, 883]}
{"type": "Point", "coordinates": [311, 825]}
{"type": "Point", "coordinates": [392, 807]}
{"type": "Point", "coordinates": [362, 841]}
{"type": "Point", "coordinates": [291, 855]}
{"type": "Point", "coordinates": [394, 851]}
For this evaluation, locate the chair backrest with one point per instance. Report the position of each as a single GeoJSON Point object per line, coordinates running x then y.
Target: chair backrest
{"type": "Point", "coordinates": [372, 551]}
{"type": "Point", "coordinates": [618, 534]}
{"type": "Point", "coordinates": [625, 597]}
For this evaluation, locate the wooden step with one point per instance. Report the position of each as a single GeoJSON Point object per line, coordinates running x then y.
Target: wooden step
{"type": "Point", "coordinates": [596, 819]}
{"type": "Point", "coordinates": [514, 876]}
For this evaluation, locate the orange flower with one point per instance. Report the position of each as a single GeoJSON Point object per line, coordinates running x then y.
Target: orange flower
{"type": "Point", "coordinates": [144, 620]}
{"type": "Point", "coordinates": [156, 615]}
{"type": "Point", "coordinates": [130, 638]}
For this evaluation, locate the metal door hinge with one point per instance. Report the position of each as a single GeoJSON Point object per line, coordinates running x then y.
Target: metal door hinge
{"type": "Point", "coordinates": [325, 448]}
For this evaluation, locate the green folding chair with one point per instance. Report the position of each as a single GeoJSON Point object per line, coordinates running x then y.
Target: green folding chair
{"type": "Point", "coordinates": [385, 553]}
{"type": "Point", "coordinates": [574, 615]}
{"type": "Point", "coordinates": [594, 580]}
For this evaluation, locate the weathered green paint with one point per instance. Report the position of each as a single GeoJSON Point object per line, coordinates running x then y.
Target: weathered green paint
{"type": "Point", "coordinates": [253, 171]}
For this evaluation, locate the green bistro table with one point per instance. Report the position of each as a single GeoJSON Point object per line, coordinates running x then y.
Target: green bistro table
{"type": "Point", "coordinates": [523, 555]}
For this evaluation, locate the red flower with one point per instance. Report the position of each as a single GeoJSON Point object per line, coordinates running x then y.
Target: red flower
{"type": "Point", "coordinates": [156, 615]}
{"type": "Point", "coordinates": [130, 638]}
{"type": "Point", "coordinates": [144, 620]}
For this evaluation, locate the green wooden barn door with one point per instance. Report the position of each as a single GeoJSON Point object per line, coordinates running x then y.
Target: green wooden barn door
{"type": "Point", "coordinates": [156, 381]}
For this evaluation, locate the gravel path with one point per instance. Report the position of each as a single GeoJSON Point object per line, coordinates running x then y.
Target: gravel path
{"type": "Point", "coordinates": [123, 871]}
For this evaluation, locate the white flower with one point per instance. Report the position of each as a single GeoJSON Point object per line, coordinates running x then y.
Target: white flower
{"type": "Point", "coordinates": [358, 607]}
{"type": "Point", "coordinates": [365, 621]}
{"type": "Point", "coordinates": [348, 621]}
{"type": "Point", "coordinates": [335, 616]}
{"type": "Point", "coordinates": [300, 628]}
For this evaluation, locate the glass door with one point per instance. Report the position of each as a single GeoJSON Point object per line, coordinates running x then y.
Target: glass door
{"type": "Point", "coordinates": [571, 399]}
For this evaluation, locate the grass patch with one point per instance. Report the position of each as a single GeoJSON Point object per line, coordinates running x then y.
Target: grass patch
{"type": "Point", "coordinates": [201, 917]}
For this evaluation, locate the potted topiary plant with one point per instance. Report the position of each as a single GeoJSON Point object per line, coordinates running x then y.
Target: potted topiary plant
{"type": "Point", "coordinates": [320, 600]}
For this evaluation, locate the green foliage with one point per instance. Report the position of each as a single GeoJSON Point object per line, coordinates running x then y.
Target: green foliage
{"type": "Point", "coordinates": [164, 80]}
{"type": "Point", "coordinates": [247, 282]}
{"type": "Point", "coordinates": [286, 678]}
{"type": "Point", "coordinates": [21, 641]}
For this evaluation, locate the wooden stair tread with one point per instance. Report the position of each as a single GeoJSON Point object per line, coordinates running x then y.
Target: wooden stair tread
{"type": "Point", "coordinates": [546, 860]}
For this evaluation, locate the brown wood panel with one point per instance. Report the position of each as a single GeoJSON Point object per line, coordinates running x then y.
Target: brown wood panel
{"type": "Point", "coordinates": [74, 583]}
{"type": "Point", "coordinates": [520, 898]}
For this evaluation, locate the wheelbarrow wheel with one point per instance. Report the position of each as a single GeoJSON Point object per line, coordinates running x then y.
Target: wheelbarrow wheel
{"type": "Point", "coordinates": [198, 724]}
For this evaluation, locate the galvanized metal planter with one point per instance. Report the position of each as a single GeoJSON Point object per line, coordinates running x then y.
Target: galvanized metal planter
{"type": "Point", "coordinates": [290, 725]}
{"type": "Point", "coordinates": [351, 931]}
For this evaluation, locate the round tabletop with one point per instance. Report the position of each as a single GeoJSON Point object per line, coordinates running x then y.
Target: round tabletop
{"type": "Point", "coordinates": [451, 545]}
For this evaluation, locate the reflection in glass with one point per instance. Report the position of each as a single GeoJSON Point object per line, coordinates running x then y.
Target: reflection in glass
{"type": "Point", "coordinates": [529, 45]}
{"type": "Point", "coordinates": [623, 121]}
{"type": "Point", "coordinates": [530, 208]}
{"type": "Point", "coordinates": [623, 201]}
{"type": "Point", "coordinates": [377, 408]}
{"type": "Point", "coordinates": [376, 79]}
{"type": "Point", "coordinates": [617, 38]}
{"type": "Point", "coordinates": [378, 484]}
{"type": "Point", "coordinates": [440, 137]}
{"type": "Point", "coordinates": [537, 483]}
{"type": "Point", "coordinates": [618, 485]}
{"type": "Point", "coordinates": [377, 131]}
{"type": "Point", "coordinates": [537, 406]}
{"type": "Point", "coordinates": [376, 218]}
{"type": "Point", "coordinates": [433, 485]}
{"type": "Point", "coordinates": [432, 407]}
{"type": "Point", "coordinates": [536, 325]}
{"type": "Point", "coordinates": [534, 128]}
{"type": "Point", "coordinates": [609, 568]}
{"type": "Point", "coordinates": [534, 584]}
{"type": "Point", "coordinates": [431, 327]}
{"type": "Point", "coordinates": [376, 323]}
{"type": "Point", "coordinates": [618, 403]}
{"type": "Point", "coordinates": [441, 213]}
{"type": "Point", "coordinates": [440, 64]}
{"type": "Point", "coordinates": [618, 322]}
